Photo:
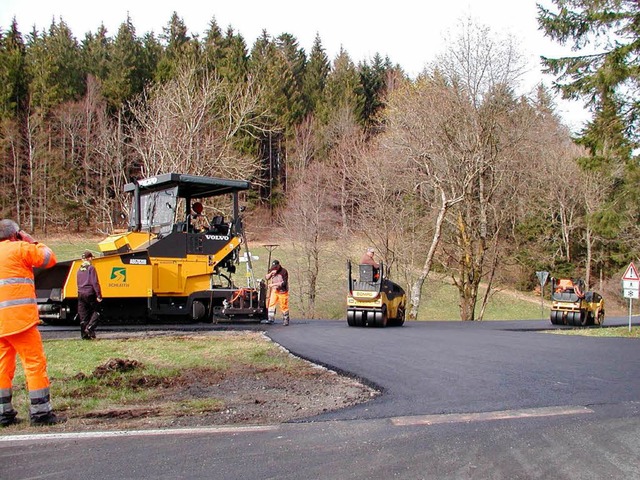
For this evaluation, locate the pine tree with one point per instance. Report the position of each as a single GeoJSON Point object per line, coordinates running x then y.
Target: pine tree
{"type": "Point", "coordinates": [342, 89]}
{"type": "Point", "coordinates": [213, 46]}
{"type": "Point", "coordinates": [291, 63]}
{"type": "Point", "coordinates": [178, 48]}
{"type": "Point", "coordinates": [96, 53]}
{"type": "Point", "coordinates": [55, 67]}
{"type": "Point", "coordinates": [235, 62]}
{"type": "Point", "coordinates": [373, 79]}
{"type": "Point", "coordinates": [13, 79]}
{"type": "Point", "coordinates": [126, 76]}
{"type": "Point", "coordinates": [316, 73]}
{"type": "Point", "coordinates": [150, 57]}
{"type": "Point", "coordinates": [606, 80]}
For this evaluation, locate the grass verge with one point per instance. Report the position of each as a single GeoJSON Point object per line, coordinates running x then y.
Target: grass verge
{"type": "Point", "coordinates": [617, 332]}
{"type": "Point", "coordinates": [166, 380]}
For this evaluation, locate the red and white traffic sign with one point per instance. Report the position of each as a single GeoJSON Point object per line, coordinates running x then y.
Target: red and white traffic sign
{"type": "Point", "coordinates": [631, 282]}
{"type": "Point", "coordinates": [631, 273]}
{"type": "Point", "coordinates": [631, 286]}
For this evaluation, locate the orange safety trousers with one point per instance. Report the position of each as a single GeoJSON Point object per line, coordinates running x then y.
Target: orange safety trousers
{"type": "Point", "coordinates": [28, 345]}
{"type": "Point", "coordinates": [281, 298]}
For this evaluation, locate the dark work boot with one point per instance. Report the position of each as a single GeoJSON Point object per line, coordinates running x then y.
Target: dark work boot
{"type": "Point", "coordinates": [90, 328]}
{"type": "Point", "coordinates": [40, 409]}
{"type": "Point", "coordinates": [7, 413]}
{"type": "Point", "coordinates": [47, 419]}
{"type": "Point", "coordinates": [271, 318]}
{"type": "Point", "coordinates": [8, 418]}
{"type": "Point", "coordinates": [83, 330]}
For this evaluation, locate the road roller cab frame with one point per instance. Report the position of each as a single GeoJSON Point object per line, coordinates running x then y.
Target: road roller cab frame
{"type": "Point", "coordinates": [373, 300]}
{"type": "Point", "coordinates": [161, 268]}
{"type": "Point", "coordinates": [573, 306]}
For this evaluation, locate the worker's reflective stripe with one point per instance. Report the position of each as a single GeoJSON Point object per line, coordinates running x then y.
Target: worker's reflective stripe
{"type": "Point", "coordinates": [18, 301]}
{"type": "Point", "coordinates": [40, 401]}
{"type": "Point", "coordinates": [17, 280]}
{"type": "Point", "coordinates": [47, 256]}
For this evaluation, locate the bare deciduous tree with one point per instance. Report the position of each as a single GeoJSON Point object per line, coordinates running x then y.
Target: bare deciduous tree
{"type": "Point", "coordinates": [484, 69]}
{"type": "Point", "coordinates": [190, 125]}
{"type": "Point", "coordinates": [478, 60]}
{"type": "Point", "coordinates": [462, 129]}
{"type": "Point", "coordinates": [345, 141]}
{"type": "Point", "coordinates": [305, 220]}
{"type": "Point", "coordinates": [425, 127]}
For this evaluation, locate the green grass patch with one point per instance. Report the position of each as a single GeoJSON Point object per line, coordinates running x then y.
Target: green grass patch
{"type": "Point", "coordinates": [88, 378]}
{"type": "Point", "coordinates": [70, 249]}
{"type": "Point", "coordinates": [441, 302]}
{"type": "Point", "coordinates": [439, 298]}
{"type": "Point", "coordinates": [617, 332]}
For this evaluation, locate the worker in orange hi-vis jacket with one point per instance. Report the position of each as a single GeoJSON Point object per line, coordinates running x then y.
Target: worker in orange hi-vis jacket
{"type": "Point", "coordinates": [19, 334]}
{"type": "Point", "coordinates": [278, 278]}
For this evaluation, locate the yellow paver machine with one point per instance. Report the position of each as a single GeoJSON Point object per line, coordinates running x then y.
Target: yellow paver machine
{"type": "Point", "coordinates": [161, 268]}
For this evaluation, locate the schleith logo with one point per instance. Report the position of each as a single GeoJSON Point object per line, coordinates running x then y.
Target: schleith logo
{"type": "Point", "coordinates": [119, 274]}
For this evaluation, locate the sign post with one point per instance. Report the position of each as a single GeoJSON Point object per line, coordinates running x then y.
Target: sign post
{"type": "Point", "coordinates": [631, 287]}
{"type": "Point", "coordinates": [542, 278]}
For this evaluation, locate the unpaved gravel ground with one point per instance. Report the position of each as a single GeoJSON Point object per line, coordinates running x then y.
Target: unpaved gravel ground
{"type": "Point", "coordinates": [247, 397]}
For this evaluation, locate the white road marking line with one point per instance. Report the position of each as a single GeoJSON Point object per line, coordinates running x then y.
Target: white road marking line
{"type": "Point", "coordinates": [138, 433]}
{"type": "Point", "coordinates": [486, 416]}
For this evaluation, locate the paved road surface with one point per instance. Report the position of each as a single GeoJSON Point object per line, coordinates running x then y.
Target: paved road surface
{"type": "Point", "coordinates": [444, 367]}
{"type": "Point", "coordinates": [494, 400]}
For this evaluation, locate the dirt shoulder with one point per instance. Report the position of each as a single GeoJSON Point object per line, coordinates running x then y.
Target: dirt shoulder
{"type": "Point", "coordinates": [244, 394]}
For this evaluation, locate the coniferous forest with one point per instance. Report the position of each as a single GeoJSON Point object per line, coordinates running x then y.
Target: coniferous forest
{"type": "Point", "coordinates": [450, 172]}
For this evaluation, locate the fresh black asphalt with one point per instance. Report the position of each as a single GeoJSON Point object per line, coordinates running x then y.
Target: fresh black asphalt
{"type": "Point", "coordinates": [446, 367]}
{"type": "Point", "coordinates": [423, 369]}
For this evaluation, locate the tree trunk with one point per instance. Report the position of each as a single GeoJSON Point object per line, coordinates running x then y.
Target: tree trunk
{"type": "Point", "coordinates": [470, 270]}
{"type": "Point", "coordinates": [416, 288]}
{"type": "Point", "coordinates": [587, 275]}
{"type": "Point", "coordinates": [492, 272]}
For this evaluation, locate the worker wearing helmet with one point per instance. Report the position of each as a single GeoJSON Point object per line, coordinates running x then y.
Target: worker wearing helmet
{"type": "Point", "coordinates": [198, 219]}
{"type": "Point", "coordinates": [278, 279]}
{"type": "Point", "coordinates": [19, 334]}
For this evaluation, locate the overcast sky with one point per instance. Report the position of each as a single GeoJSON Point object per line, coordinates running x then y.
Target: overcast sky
{"type": "Point", "coordinates": [409, 32]}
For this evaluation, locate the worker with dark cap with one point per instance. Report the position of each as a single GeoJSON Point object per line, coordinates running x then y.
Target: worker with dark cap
{"type": "Point", "coordinates": [278, 279]}
{"type": "Point", "coordinates": [19, 334]}
{"type": "Point", "coordinates": [89, 295]}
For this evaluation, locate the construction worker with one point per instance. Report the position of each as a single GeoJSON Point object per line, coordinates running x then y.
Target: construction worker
{"type": "Point", "coordinates": [199, 221]}
{"type": "Point", "coordinates": [367, 259]}
{"type": "Point", "coordinates": [278, 279]}
{"type": "Point", "coordinates": [89, 296]}
{"type": "Point", "coordinates": [19, 334]}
